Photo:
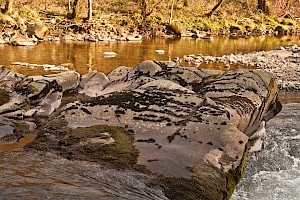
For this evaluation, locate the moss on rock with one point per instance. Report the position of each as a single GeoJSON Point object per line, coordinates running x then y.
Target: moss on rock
{"type": "Point", "coordinates": [4, 97]}
{"type": "Point", "coordinates": [207, 182]}
{"type": "Point", "coordinates": [111, 146]}
{"type": "Point", "coordinates": [119, 154]}
{"type": "Point", "coordinates": [237, 175]}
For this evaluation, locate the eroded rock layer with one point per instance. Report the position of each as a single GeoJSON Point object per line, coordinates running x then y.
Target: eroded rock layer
{"type": "Point", "coordinates": [185, 129]}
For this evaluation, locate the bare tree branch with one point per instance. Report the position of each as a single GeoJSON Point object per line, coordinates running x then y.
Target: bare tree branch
{"type": "Point", "coordinates": [215, 8]}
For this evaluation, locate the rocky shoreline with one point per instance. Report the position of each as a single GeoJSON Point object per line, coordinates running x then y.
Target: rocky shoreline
{"type": "Point", "coordinates": [183, 130]}
{"type": "Point", "coordinates": [284, 63]}
{"type": "Point", "coordinates": [24, 32]}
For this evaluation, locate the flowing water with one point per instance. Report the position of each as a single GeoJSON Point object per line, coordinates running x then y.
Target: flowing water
{"type": "Point", "coordinates": [273, 173]}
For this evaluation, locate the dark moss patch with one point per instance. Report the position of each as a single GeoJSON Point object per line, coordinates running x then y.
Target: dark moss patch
{"type": "Point", "coordinates": [4, 97]}
{"type": "Point", "coordinates": [139, 102]}
{"type": "Point", "coordinates": [152, 160]}
{"type": "Point", "coordinates": [207, 183]}
{"type": "Point", "coordinates": [237, 174]}
{"type": "Point", "coordinates": [224, 123]}
{"type": "Point", "coordinates": [76, 144]}
{"type": "Point", "coordinates": [151, 140]}
{"type": "Point", "coordinates": [86, 111]}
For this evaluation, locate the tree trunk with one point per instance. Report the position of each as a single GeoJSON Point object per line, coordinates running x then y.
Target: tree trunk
{"type": "Point", "coordinates": [74, 12]}
{"type": "Point", "coordinates": [264, 6]}
{"type": "Point", "coordinates": [215, 8]}
{"type": "Point", "coordinates": [90, 10]}
{"type": "Point", "coordinates": [171, 13]}
{"type": "Point", "coordinates": [144, 9]}
{"type": "Point", "coordinates": [8, 6]}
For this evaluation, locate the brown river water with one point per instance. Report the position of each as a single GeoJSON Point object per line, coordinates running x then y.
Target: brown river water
{"type": "Point", "coordinates": [87, 56]}
{"type": "Point", "coordinates": [27, 175]}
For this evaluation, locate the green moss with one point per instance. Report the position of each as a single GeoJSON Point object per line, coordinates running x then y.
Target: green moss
{"type": "Point", "coordinates": [119, 154]}
{"type": "Point", "coordinates": [271, 22]}
{"type": "Point", "coordinates": [111, 146]}
{"type": "Point", "coordinates": [175, 27]}
{"type": "Point", "coordinates": [4, 97]}
{"type": "Point", "coordinates": [237, 175]}
{"type": "Point", "coordinates": [207, 182]}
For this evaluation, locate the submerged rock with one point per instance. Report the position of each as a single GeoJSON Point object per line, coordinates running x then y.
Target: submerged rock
{"type": "Point", "coordinates": [186, 130]}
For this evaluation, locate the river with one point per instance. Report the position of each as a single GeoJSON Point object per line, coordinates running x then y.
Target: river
{"type": "Point", "coordinates": [86, 56]}
{"type": "Point", "coordinates": [273, 173]}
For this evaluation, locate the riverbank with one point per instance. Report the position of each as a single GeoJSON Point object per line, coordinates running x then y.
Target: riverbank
{"type": "Point", "coordinates": [29, 24]}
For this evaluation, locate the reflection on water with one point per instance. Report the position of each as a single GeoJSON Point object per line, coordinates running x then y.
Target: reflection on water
{"type": "Point", "coordinates": [4, 147]}
{"type": "Point", "coordinates": [86, 55]}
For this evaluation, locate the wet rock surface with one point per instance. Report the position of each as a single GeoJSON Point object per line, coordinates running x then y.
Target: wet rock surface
{"type": "Point", "coordinates": [186, 130]}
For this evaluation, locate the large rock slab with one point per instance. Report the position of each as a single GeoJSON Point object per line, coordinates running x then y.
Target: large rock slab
{"type": "Point", "coordinates": [24, 96]}
{"type": "Point", "coordinates": [186, 130]}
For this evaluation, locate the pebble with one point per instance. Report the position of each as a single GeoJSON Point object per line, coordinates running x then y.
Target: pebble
{"type": "Point", "coordinates": [160, 51]}
{"type": "Point", "coordinates": [109, 54]}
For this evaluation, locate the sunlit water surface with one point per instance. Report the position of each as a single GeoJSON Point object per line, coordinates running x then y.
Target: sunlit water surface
{"type": "Point", "coordinates": [87, 56]}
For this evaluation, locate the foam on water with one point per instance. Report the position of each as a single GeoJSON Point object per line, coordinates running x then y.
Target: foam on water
{"type": "Point", "coordinates": [274, 172]}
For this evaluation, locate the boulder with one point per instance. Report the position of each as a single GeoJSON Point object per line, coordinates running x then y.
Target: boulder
{"type": "Point", "coordinates": [92, 83]}
{"type": "Point", "coordinates": [134, 38]}
{"type": "Point", "coordinates": [183, 129]}
{"type": "Point", "coordinates": [67, 80]}
{"type": "Point", "coordinates": [38, 30]}
{"type": "Point", "coordinates": [148, 67]}
{"type": "Point", "coordinates": [119, 73]}
{"type": "Point", "coordinates": [23, 42]}
{"type": "Point", "coordinates": [34, 95]}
